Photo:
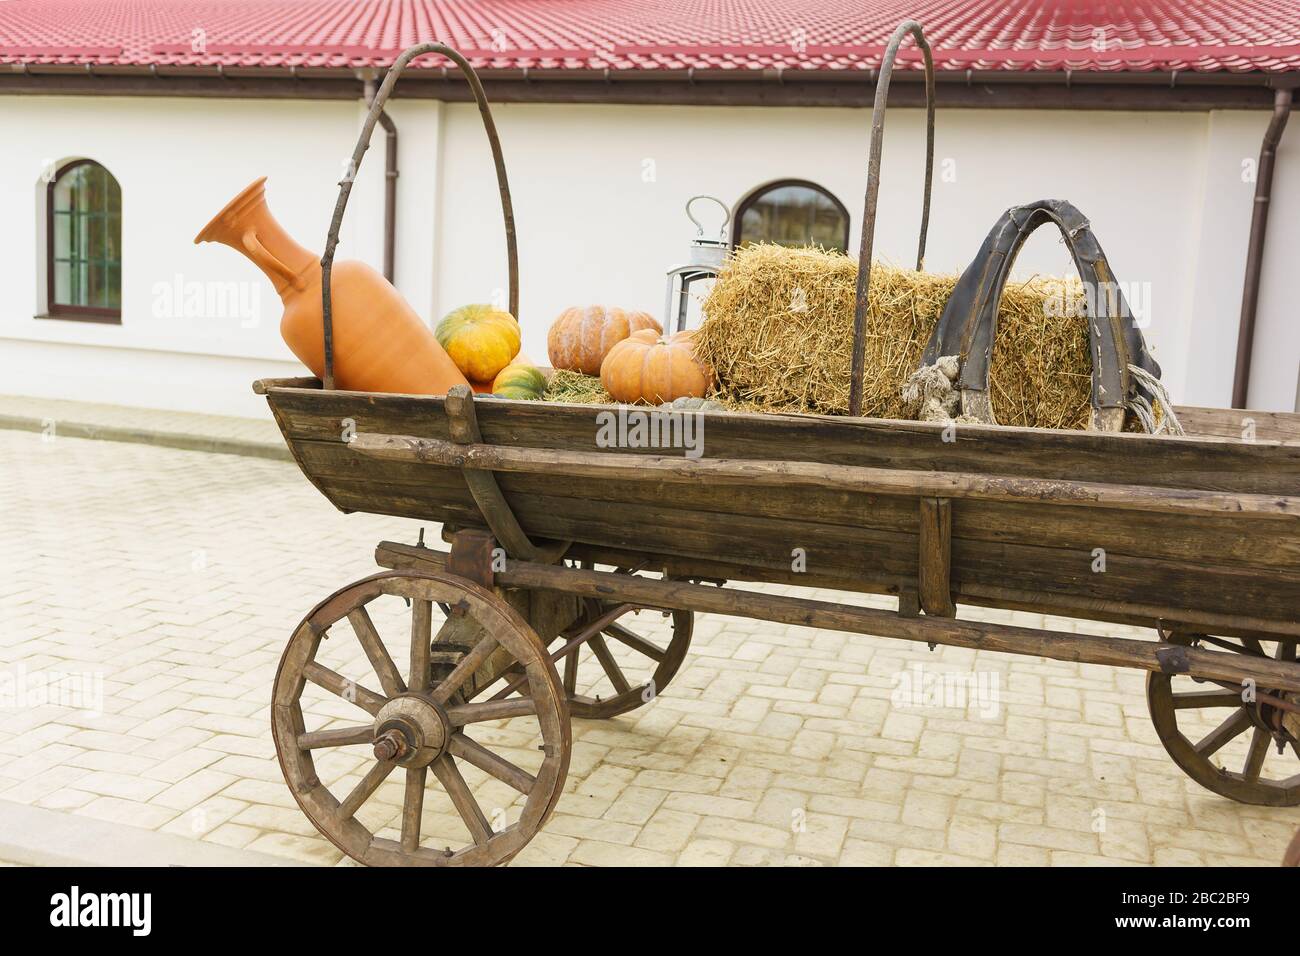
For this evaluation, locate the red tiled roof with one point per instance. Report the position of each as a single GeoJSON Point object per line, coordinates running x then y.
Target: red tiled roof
{"type": "Point", "coordinates": [1052, 35]}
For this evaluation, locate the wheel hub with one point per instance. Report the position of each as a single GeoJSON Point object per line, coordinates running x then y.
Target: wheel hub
{"type": "Point", "coordinates": [411, 730]}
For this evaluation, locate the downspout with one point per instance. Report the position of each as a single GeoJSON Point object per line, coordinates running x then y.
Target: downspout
{"type": "Point", "coordinates": [1255, 249]}
{"type": "Point", "coordinates": [390, 180]}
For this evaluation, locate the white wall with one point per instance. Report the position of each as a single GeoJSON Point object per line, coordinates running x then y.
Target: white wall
{"type": "Point", "coordinates": [598, 196]}
{"type": "Point", "coordinates": [177, 162]}
{"type": "Point", "coordinates": [1275, 373]}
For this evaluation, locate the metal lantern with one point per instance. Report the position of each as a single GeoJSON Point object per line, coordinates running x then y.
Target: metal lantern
{"type": "Point", "coordinates": [704, 262]}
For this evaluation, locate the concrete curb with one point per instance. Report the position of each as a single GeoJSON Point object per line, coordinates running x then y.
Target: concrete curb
{"type": "Point", "coordinates": [143, 436]}
{"type": "Point", "coordinates": [33, 836]}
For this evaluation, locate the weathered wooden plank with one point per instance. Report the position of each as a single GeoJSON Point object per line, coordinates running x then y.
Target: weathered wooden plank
{"type": "Point", "coordinates": [1237, 591]}
{"type": "Point", "coordinates": [261, 386]}
{"type": "Point", "coordinates": [463, 425]}
{"type": "Point", "coordinates": [1239, 423]}
{"type": "Point", "coordinates": [390, 554]}
{"type": "Point", "coordinates": [1195, 463]}
{"type": "Point", "coordinates": [934, 586]}
{"type": "Point", "coordinates": [879, 559]}
{"type": "Point", "coordinates": [768, 542]}
{"type": "Point", "coordinates": [1270, 547]}
{"type": "Point", "coordinates": [978, 635]}
{"type": "Point", "coordinates": [891, 560]}
{"type": "Point", "coordinates": [996, 486]}
{"type": "Point", "coordinates": [1217, 539]}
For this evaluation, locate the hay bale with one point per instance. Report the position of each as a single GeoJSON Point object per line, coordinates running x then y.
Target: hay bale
{"type": "Point", "coordinates": [1041, 371]}
{"type": "Point", "coordinates": [778, 332]}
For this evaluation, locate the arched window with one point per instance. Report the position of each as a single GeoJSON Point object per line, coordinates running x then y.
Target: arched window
{"type": "Point", "coordinates": [792, 212]}
{"type": "Point", "coordinates": [83, 231]}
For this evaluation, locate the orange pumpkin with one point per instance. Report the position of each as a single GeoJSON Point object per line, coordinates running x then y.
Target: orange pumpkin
{"type": "Point", "coordinates": [647, 367]}
{"type": "Point", "coordinates": [581, 337]}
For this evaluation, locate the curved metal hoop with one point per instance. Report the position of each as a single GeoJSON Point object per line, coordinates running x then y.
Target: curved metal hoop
{"type": "Point", "coordinates": [968, 325]}
{"type": "Point", "coordinates": [873, 191]}
{"type": "Point", "coordinates": [363, 143]}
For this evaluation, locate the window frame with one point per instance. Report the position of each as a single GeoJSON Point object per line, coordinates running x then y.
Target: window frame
{"type": "Point", "coordinates": [754, 195]}
{"type": "Point", "coordinates": [77, 313]}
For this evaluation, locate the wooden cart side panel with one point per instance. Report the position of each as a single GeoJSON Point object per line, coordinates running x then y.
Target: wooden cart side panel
{"type": "Point", "coordinates": [1240, 423]}
{"type": "Point", "coordinates": [1207, 464]}
{"type": "Point", "coordinates": [1211, 563]}
{"type": "Point", "coordinates": [1268, 545]}
{"type": "Point", "coordinates": [1203, 464]}
{"type": "Point", "coordinates": [878, 559]}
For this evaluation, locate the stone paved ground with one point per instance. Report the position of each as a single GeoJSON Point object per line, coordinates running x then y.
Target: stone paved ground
{"type": "Point", "coordinates": [175, 577]}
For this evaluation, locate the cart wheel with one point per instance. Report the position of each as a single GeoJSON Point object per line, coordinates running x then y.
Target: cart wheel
{"type": "Point", "coordinates": [1218, 719]}
{"type": "Point", "coordinates": [420, 724]}
{"type": "Point", "coordinates": [645, 651]}
{"type": "Point", "coordinates": [618, 675]}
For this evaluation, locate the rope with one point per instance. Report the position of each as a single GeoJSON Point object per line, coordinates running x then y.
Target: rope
{"type": "Point", "coordinates": [1146, 414]}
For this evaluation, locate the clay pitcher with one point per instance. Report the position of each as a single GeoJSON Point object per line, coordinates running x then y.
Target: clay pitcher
{"type": "Point", "coordinates": [380, 344]}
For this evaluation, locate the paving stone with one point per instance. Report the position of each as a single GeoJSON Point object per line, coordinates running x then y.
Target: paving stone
{"type": "Point", "coordinates": [635, 805]}
{"type": "Point", "coordinates": [595, 853]}
{"type": "Point", "coordinates": [115, 810]}
{"type": "Point", "coordinates": [668, 831]}
{"type": "Point", "coordinates": [705, 852]}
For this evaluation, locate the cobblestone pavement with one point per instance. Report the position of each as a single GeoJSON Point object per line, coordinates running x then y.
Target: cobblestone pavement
{"type": "Point", "coordinates": [175, 577]}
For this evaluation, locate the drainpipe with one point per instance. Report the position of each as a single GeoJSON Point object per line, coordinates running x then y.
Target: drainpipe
{"type": "Point", "coordinates": [390, 179]}
{"type": "Point", "coordinates": [1255, 250]}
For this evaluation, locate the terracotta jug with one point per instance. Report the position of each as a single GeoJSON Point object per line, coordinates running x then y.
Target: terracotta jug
{"type": "Point", "coordinates": [380, 344]}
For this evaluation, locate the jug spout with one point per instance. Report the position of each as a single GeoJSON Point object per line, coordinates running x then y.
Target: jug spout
{"type": "Point", "coordinates": [380, 344]}
{"type": "Point", "coordinates": [246, 225]}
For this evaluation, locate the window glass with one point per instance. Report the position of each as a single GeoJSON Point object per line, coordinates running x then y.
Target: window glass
{"type": "Point", "coordinates": [793, 214]}
{"type": "Point", "coordinates": [86, 239]}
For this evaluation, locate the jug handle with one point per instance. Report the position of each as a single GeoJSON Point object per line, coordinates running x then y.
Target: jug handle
{"type": "Point", "coordinates": [267, 262]}
{"type": "Point", "coordinates": [363, 143]}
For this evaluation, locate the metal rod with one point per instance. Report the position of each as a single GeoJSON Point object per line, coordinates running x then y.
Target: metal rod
{"type": "Point", "coordinates": [1255, 247]}
{"type": "Point", "coordinates": [363, 143]}
{"type": "Point", "coordinates": [873, 191]}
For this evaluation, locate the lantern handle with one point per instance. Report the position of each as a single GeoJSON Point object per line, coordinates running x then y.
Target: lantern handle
{"type": "Point", "coordinates": [363, 143]}
{"type": "Point", "coordinates": [699, 227]}
{"type": "Point", "coordinates": [873, 191]}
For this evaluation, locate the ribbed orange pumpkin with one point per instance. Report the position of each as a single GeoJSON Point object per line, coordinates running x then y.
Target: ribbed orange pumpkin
{"type": "Point", "coordinates": [581, 337]}
{"type": "Point", "coordinates": [647, 367]}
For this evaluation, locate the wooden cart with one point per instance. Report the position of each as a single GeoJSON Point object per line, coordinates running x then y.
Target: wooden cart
{"type": "Point", "coordinates": [557, 539]}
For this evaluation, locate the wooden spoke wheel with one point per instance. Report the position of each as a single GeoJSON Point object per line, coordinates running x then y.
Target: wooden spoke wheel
{"type": "Point", "coordinates": [1240, 748]}
{"type": "Point", "coordinates": [421, 723]}
{"type": "Point", "coordinates": [614, 659]}
{"type": "Point", "coordinates": [633, 654]}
